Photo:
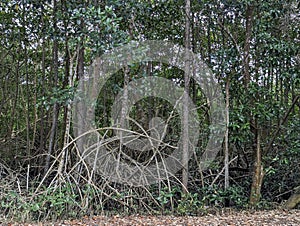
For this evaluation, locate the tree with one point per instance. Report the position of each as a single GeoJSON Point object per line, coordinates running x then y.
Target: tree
{"type": "Point", "coordinates": [185, 121]}
{"type": "Point", "coordinates": [252, 48]}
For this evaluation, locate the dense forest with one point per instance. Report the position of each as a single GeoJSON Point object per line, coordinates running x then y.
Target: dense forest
{"type": "Point", "coordinates": [47, 48]}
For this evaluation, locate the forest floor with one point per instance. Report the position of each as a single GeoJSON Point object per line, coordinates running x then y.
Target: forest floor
{"type": "Point", "coordinates": [267, 217]}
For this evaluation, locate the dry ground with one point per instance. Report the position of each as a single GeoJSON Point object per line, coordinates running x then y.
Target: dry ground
{"type": "Point", "coordinates": [270, 217]}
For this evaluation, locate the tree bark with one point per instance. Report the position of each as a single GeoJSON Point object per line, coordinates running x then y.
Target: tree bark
{"type": "Point", "coordinates": [185, 129]}
{"type": "Point", "coordinates": [81, 111]}
{"type": "Point", "coordinates": [294, 200]}
{"type": "Point", "coordinates": [226, 159]}
{"type": "Point", "coordinates": [56, 106]}
{"type": "Point", "coordinates": [257, 176]}
{"type": "Point", "coordinates": [249, 25]}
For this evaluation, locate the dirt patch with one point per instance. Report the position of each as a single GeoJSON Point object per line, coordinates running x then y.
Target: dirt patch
{"type": "Point", "coordinates": [270, 217]}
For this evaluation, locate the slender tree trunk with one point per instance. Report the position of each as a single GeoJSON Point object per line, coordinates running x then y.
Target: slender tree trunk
{"type": "Point", "coordinates": [249, 25]}
{"type": "Point", "coordinates": [28, 104]}
{"type": "Point", "coordinates": [68, 81]}
{"type": "Point", "coordinates": [185, 154]}
{"type": "Point", "coordinates": [42, 112]}
{"type": "Point", "coordinates": [209, 40]}
{"type": "Point", "coordinates": [123, 112]}
{"type": "Point", "coordinates": [56, 106]}
{"type": "Point", "coordinates": [80, 75]}
{"type": "Point", "coordinates": [14, 104]}
{"type": "Point", "coordinates": [226, 160]}
{"type": "Point", "coordinates": [258, 174]}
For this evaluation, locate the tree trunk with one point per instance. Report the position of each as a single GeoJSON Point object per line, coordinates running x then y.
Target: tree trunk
{"type": "Point", "coordinates": [81, 111]}
{"type": "Point", "coordinates": [249, 25]}
{"type": "Point", "coordinates": [257, 176]}
{"type": "Point", "coordinates": [226, 159]}
{"type": "Point", "coordinates": [185, 129]}
{"type": "Point", "coordinates": [294, 200]}
{"type": "Point", "coordinates": [55, 107]}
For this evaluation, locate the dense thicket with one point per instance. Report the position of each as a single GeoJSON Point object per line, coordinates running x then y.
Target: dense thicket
{"type": "Point", "coordinates": [46, 47]}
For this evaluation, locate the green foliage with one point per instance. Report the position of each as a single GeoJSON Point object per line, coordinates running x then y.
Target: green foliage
{"type": "Point", "coordinates": [190, 204]}
{"type": "Point", "coordinates": [50, 203]}
{"type": "Point", "coordinates": [32, 31]}
{"type": "Point", "coordinates": [195, 203]}
{"type": "Point", "coordinates": [283, 167]}
{"type": "Point", "coordinates": [60, 96]}
{"type": "Point", "coordinates": [212, 196]}
{"type": "Point", "coordinates": [234, 196]}
{"type": "Point", "coordinates": [165, 196]}
{"type": "Point", "coordinates": [187, 204]}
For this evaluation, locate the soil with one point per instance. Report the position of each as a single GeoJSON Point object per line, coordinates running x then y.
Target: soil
{"type": "Point", "coordinates": [232, 217]}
